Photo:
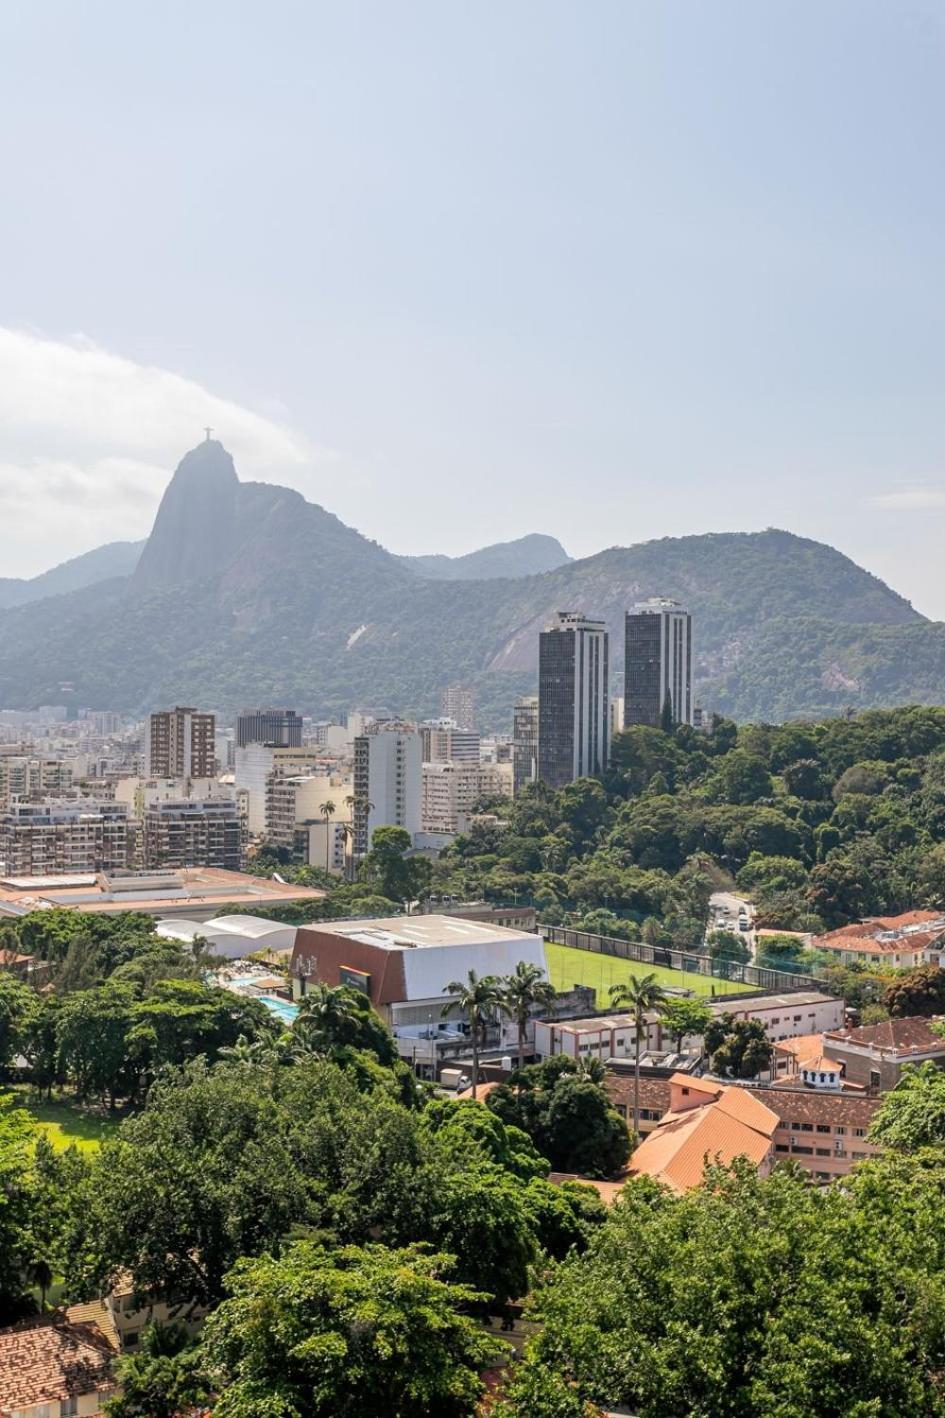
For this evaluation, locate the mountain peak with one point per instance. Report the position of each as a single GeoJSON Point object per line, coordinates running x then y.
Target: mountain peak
{"type": "Point", "coordinates": [193, 531]}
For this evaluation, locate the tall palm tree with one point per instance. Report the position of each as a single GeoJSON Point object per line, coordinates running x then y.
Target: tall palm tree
{"type": "Point", "coordinates": [521, 991]}
{"type": "Point", "coordinates": [347, 831]}
{"type": "Point", "coordinates": [324, 1015]}
{"type": "Point", "coordinates": [640, 995]}
{"type": "Point", "coordinates": [477, 998]}
{"type": "Point", "coordinates": [327, 811]}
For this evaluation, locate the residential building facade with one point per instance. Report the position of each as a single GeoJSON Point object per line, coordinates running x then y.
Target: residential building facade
{"type": "Point", "coordinates": [203, 832]}
{"type": "Point", "coordinates": [524, 743]}
{"type": "Point", "coordinates": [457, 702]}
{"type": "Point", "coordinates": [388, 773]}
{"type": "Point", "coordinates": [657, 663]}
{"type": "Point", "coordinates": [63, 838]}
{"type": "Point", "coordinates": [573, 714]}
{"type": "Point", "coordinates": [452, 791]}
{"type": "Point", "coordinates": [181, 743]}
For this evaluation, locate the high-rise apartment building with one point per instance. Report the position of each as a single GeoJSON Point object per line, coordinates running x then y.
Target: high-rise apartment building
{"type": "Point", "coordinates": [524, 742]}
{"type": "Point", "coordinates": [181, 744]}
{"type": "Point", "coordinates": [65, 838]}
{"type": "Point", "coordinates": [256, 764]}
{"type": "Point", "coordinates": [452, 791]}
{"type": "Point", "coordinates": [277, 726]}
{"type": "Point", "coordinates": [205, 832]}
{"type": "Point", "coordinates": [388, 763]}
{"type": "Point", "coordinates": [657, 663]}
{"type": "Point", "coordinates": [445, 742]}
{"type": "Point", "coordinates": [573, 718]}
{"type": "Point", "coordinates": [458, 703]}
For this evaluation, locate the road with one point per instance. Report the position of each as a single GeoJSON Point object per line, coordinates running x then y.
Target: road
{"type": "Point", "coordinates": [724, 909]}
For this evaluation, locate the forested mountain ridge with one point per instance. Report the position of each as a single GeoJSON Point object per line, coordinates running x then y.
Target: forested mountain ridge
{"type": "Point", "coordinates": [114, 559]}
{"type": "Point", "coordinates": [526, 556]}
{"type": "Point", "coordinates": [247, 590]}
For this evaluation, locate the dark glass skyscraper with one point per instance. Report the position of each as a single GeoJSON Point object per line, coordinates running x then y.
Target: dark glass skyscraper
{"type": "Point", "coordinates": [573, 730]}
{"type": "Point", "coordinates": [657, 663]}
{"type": "Point", "coordinates": [279, 726]}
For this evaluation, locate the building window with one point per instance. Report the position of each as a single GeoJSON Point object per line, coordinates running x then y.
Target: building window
{"type": "Point", "coordinates": [69, 1408]}
{"type": "Point", "coordinates": [823, 1152]}
{"type": "Point", "coordinates": [780, 1147]}
{"type": "Point", "coordinates": [859, 1132]}
{"type": "Point", "coordinates": [823, 1127]}
{"type": "Point", "coordinates": [841, 1132]}
{"type": "Point", "coordinates": [805, 1151]}
{"type": "Point", "coordinates": [858, 1156]}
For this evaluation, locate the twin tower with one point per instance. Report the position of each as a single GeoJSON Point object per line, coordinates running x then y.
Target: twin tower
{"type": "Point", "coordinates": [573, 711]}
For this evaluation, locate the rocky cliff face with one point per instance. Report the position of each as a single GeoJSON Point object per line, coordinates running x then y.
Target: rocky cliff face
{"type": "Point", "coordinates": [195, 529]}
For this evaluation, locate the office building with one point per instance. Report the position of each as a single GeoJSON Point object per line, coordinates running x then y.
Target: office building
{"type": "Point", "coordinates": [181, 744]}
{"type": "Point", "coordinates": [458, 703]}
{"type": "Point", "coordinates": [63, 838]}
{"type": "Point", "coordinates": [276, 726]}
{"type": "Point", "coordinates": [524, 743]}
{"type": "Point", "coordinates": [387, 780]}
{"type": "Point", "coordinates": [444, 742]}
{"type": "Point", "coordinates": [657, 664]}
{"type": "Point", "coordinates": [205, 832]}
{"type": "Point", "coordinates": [573, 717]}
{"type": "Point", "coordinates": [295, 801]}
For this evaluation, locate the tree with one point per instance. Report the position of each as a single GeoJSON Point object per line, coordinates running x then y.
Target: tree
{"type": "Point", "coordinates": [17, 1199]}
{"type": "Point", "coordinates": [327, 811]}
{"type": "Point", "coordinates": [568, 1116]}
{"type": "Point", "coordinates": [642, 995]}
{"type": "Point", "coordinates": [727, 950]}
{"type": "Point", "coordinates": [478, 999]}
{"type": "Point", "coordinates": [164, 1378]}
{"type": "Point", "coordinates": [520, 992]}
{"type": "Point", "coordinates": [738, 1048]}
{"type": "Point", "coordinates": [749, 1297]}
{"type": "Point", "coordinates": [357, 1330]}
{"type": "Point", "coordinates": [912, 1116]}
{"type": "Point", "coordinates": [388, 867]}
{"type": "Point", "coordinates": [918, 991]}
{"type": "Point", "coordinates": [19, 1005]}
{"type": "Point", "coordinates": [334, 1019]}
{"type": "Point", "coordinates": [683, 1017]}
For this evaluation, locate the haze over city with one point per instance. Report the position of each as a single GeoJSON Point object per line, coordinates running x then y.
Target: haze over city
{"type": "Point", "coordinates": [637, 272]}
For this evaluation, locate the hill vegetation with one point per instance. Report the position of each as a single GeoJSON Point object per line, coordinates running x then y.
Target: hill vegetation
{"type": "Point", "coordinates": [245, 591]}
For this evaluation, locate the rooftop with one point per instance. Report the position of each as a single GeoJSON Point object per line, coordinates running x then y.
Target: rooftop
{"type": "Point", "coordinates": [193, 888]}
{"type": "Point", "coordinates": [805, 1106]}
{"type": "Point", "coordinates": [48, 1360]}
{"type": "Point", "coordinates": [735, 1123]}
{"type": "Point", "coordinates": [902, 1036]}
{"type": "Point", "coordinates": [748, 1003]}
{"type": "Point", "coordinates": [419, 932]}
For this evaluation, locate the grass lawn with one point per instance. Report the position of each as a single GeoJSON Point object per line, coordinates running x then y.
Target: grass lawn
{"type": "Point", "coordinates": [63, 1124]}
{"type": "Point", "coordinates": [569, 967]}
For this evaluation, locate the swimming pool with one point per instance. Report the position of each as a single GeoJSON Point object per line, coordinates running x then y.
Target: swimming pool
{"type": "Point", "coordinates": [281, 1008]}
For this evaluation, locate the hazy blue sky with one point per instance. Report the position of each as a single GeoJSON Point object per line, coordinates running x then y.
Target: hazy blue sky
{"type": "Point", "coordinates": [461, 271]}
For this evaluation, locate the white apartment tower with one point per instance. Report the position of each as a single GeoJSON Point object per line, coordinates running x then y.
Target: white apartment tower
{"type": "Point", "coordinates": [388, 767]}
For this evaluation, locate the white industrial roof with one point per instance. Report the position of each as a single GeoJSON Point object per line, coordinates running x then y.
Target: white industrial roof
{"type": "Point", "coordinates": [255, 926]}
{"type": "Point", "coordinates": [423, 932]}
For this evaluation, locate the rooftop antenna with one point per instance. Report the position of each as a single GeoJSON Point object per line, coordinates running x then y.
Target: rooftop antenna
{"type": "Point", "coordinates": [208, 432]}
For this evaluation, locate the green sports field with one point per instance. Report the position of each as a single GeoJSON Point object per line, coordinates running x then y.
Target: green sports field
{"type": "Point", "coordinates": [569, 967]}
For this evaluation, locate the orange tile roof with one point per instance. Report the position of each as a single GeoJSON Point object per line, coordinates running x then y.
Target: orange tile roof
{"type": "Point", "coordinates": [697, 1085]}
{"type": "Point", "coordinates": [804, 1046]}
{"type": "Point", "coordinates": [48, 1360]}
{"type": "Point", "coordinates": [680, 1147]}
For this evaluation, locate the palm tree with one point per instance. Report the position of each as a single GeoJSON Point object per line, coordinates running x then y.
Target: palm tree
{"type": "Point", "coordinates": [324, 1015]}
{"type": "Point", "coordinates": [641, 995]}
{"type": "Point", "coordinates": [521, 991]}
{"type": "Point", "coordinates": [327, 811]}
{"type": "Point", "coordinates": [248, 1052]}
{"type": "Point", "coordinates": [478, 998]}
{"type": "Point", "coordinates": [347, 831]}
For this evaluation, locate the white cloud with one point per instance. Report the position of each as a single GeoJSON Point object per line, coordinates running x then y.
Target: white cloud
{"type": "Point", "coordinates": [917, 499]}
{"type": "Point", "coordinates": [89, 441]}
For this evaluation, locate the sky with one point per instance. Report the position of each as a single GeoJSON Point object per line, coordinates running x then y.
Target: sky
{"type": "Point", "coordinates": [462, 271]}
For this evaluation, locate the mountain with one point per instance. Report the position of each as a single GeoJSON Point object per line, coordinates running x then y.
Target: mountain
{"type": "Point", "coordinates": [115, 559]}
{"type": "Point", "coordinates": [527, 556]}
{"type": "Point", "coordinates": [246, 591]}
